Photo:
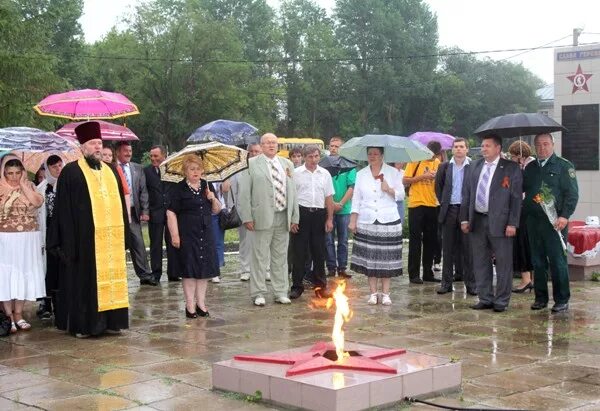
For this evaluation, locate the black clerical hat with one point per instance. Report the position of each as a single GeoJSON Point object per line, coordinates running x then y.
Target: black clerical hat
{"type": "Point", "coordinates": [87, 131]}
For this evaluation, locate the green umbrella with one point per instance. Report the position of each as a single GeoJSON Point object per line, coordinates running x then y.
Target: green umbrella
{"type": "Point", "coordinates": [397, 149]}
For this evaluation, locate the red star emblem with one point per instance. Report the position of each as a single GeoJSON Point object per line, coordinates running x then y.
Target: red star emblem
{"type": "Point", "coordinates": [313, 360]}
{"type": "Point", "coordinates": [579, 80]}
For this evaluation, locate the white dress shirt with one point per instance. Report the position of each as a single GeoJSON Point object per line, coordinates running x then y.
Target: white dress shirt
{"type": "Point", "coordinates": [489, 183]}
{"type": "Point", "coordinates": [373, 204]}
{"type": "Point", "coordinates": [312, 186]}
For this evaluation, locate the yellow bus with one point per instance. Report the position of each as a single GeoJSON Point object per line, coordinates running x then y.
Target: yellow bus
{"type": "Point", "coordinates": [286, 144]}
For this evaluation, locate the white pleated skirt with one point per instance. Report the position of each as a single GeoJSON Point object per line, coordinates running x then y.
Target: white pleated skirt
{"type": "Point", "coordinates": [21, 266]}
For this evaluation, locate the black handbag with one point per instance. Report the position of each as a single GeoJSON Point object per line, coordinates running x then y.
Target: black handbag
{"type": "Point", "coordinates": [5, 324]}
{"type": "Point", "coordinates": [229, 218]}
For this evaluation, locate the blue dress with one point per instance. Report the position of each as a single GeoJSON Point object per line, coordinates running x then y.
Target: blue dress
{"type": "Point", "coordinates": [196, 253]}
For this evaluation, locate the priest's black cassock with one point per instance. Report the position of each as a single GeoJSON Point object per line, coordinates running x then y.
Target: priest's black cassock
{"type": "Point", "coordinates": [77, 298]}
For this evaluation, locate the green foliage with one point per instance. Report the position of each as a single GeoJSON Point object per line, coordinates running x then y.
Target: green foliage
{"type": "Point", "coordinates": [371, 67]}
{"type": "Point", "coordinates": [596, 276]}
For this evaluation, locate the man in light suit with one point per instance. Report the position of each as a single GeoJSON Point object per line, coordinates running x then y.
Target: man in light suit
{"type": "Point", "coordinates": [269, 208]}
{"type": "Point", "coordinates": [136, 180]}
{"type": "Point", "coordinates": [490, 210]}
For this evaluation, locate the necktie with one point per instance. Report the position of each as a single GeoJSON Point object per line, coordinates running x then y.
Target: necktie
{"type": "Point", "coordinates": [127, 175]}
{"type": "Point", "coordinates": [481, 199]}
{"type": "Point", "coordinates": [278, 185]}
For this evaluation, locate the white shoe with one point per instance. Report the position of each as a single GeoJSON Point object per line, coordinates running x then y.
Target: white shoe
{"type": "Point", "coordinates": [385, 299]}
{"type": "Point", "coordinates": [437, 267]}
{"type": "Point", "coordinates": [268, 276]}
{"type": "Point", "coordinates": [245, 277]}
{"type": "Point", "coordinates": [259, 301]}
{"type": "Point", "coordinates": [372, 299]}
{"type": "Point", "coordinates": [283, 300]}
{"type": "Point", "coordinates": [216, 279]}
{"type": "Point", "coordinates": [79, 335]}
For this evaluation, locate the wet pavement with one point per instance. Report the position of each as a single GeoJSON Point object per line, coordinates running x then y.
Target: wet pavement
{"type": "Point", "coordinates": [517, 359]}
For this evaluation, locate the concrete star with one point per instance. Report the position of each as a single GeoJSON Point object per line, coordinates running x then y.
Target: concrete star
{"type": "Point", "coordinates": [313, 360]}
{"type": "Point", "coordinates": [579, 80]}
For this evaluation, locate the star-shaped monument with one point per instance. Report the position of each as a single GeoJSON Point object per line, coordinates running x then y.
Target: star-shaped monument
{"type": "Point", "coordinates": [322, 356]}
{"type": "Point", "coordinates": [579, 80]}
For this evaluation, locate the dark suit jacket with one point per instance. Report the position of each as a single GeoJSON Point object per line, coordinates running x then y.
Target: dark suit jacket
{"type": "Point", "coordinates": [158, 195]}
{"type": "Point", "coordinates": [139, 192]}
{"type": "Point", "coordinates": [505, 196]}
{"type": "Point", "coordinates": [443, 187]}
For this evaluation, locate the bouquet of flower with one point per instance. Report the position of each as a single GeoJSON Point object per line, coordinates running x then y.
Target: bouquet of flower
{"type": "Point", "coordinates": [546, 200]}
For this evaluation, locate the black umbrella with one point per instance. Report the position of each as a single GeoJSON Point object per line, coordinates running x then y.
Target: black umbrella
{"type": "Point", "coordinates": [336, 164]}
{"type": "Point", "coordinates": [519, 124]}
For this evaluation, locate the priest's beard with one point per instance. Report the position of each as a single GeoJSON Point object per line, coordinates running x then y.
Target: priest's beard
{"type": "Point", "coordinates": [93, 162]}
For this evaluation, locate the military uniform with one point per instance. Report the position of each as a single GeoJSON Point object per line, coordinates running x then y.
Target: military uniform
{"type": "Point", "coordinates": [546, 249]}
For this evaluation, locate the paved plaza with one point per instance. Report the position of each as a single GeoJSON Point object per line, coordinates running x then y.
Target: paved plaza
{"type": "Point", "coordinates": [516, 359]}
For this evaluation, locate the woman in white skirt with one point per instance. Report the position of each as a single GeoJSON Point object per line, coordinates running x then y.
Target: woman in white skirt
{"type": "Point", "coordinates": [21, 264]}
{"type": "Point", "coordinates": [375, 222]}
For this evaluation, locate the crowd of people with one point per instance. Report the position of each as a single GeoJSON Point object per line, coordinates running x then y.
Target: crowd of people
{"type": "Point", "coordinates": [63, 242]}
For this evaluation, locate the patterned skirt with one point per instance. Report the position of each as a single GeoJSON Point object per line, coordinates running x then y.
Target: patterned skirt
{"type": "Point", "coordinates": [377, 250]}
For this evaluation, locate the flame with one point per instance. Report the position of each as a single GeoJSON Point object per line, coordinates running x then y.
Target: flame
{"type": "Point", "coordinates": [342, 315]}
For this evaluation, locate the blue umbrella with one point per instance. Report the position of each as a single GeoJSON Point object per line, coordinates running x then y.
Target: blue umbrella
{"type": "Point", "coordinates": [234, 133]}
{"type": "Point", "coordinates": [32, 139]}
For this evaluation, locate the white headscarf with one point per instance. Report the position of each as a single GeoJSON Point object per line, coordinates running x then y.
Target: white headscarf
{"type": "Point", "coordinates": [49, 177]}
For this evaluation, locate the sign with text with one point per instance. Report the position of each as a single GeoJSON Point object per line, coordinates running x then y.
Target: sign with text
{"type": "Point", "coordinates": [580, 144]}
{"type": "Point", "coordinates": [578, 55]}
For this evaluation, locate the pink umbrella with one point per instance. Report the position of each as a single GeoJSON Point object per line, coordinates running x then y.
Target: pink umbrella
{"type": "Point", "coordinates": [109, 131]}
{"type": "Point", "coordinates": [424, 137]}
{"type": "Point", "coordinates": [86, 105]}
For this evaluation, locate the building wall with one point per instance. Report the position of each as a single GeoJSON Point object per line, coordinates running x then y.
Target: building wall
{"type": "Point", "coordinates": [589, 181]}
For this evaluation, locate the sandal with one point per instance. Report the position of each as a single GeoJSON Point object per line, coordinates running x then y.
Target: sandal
{"type": "Point", "coordinates": [13, 327]}
{"type": "Point", "coordinates": [23, 325]}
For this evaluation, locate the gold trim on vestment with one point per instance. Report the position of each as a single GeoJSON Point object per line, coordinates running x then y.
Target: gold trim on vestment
{"type": "Point", "coordinates": [109, 240]}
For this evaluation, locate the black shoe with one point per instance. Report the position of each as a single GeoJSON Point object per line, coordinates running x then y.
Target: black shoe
{"type": "Point", "coordinates": [149, 281]}
{"type": "Point", "coordinates": [295, 293]}
{"type": "Point", "coordinates": [201, 312]}
{"type": "Point", "coordinates": [471, 291]}
{"type": "Point", "coordinates": [174, 279]}
{"type": "Point", "coordinates": [500, 308]}
{"type": "Point", "coordinates": [344, 274]}
{"type": "Point", "coordinates": [444, 290]}
{"type": "Point", "coordinates": [538, 305]}
{"type": "Point", "coordinates": [432, 280]}
{"type": "Point", "coordinates": [458, 278]}
{"type": "Point", "coordinates": [560, 308]}
{"type": "Point", "coordinates": [331, 272]}
{"type": "Point", "coordinates": [416, 280]}
{"type": "Point", "coordinates": [189, 314]}
{"type": "Point", "coordinates": [481, 306]}
{"type": "Point", "coordinates": [528, 286]}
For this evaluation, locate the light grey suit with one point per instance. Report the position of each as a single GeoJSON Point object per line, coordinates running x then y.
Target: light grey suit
{"type": "Point", "coordinates": [140, 205]}
{"type": "Point", "coordinates": [271, 235]}
{"type": "Point", "coordinates": [488, 236]}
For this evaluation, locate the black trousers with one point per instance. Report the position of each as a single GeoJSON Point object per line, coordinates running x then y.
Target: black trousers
{"type": "Point", "coordinates": [456, 251]}
{"type": "Point", "coordinates": [422, 224]}
{"type": "Point", "coordinates": [309, 242]}
{"type": "Point", "coordinates": [158, 231]}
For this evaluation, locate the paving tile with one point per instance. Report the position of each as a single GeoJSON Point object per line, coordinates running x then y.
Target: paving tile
{"type": "Point", "coordinates": [99, 402]}
{"type": "Point", "coordinates": [154, 390]}
{"type": "Point", "coordinates": [35, 394]}
{"type": "Point", "coordinates": [20, 379]}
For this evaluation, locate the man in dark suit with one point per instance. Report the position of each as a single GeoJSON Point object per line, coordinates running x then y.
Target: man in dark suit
{"type": "Point", "coordinates": [449, 180]}
{"type": "Point", "coordinates": [136, 180]}
{"type": "Point", "coordinates": [158, 196]}
{"type": "Point", "coordinates": [490, 210]}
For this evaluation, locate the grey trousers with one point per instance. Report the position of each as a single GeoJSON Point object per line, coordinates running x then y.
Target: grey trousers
{"type": "Point", "coordinates": [137, 249]}
{"type": "Point", "coordinates": [484, 247]}
{"type": "Point", "coordinates": [269, 248]}
{"type": "Point", "coordinates": [246, 239]}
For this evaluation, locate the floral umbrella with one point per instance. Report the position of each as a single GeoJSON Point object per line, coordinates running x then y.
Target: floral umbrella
{"type": "Point", "coordinates": [220, 161]}
{"type": "Point", "coordinates": [109, 131]}
{"type": "Point", "coordinates": [86, 104]}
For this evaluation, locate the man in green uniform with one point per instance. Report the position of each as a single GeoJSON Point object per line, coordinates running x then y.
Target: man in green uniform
{"type": "Point", "coordinates": [547, 253]}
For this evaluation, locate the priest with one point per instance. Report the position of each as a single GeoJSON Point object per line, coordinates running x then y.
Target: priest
{"type": "Point", "coordinates": [91, 230]}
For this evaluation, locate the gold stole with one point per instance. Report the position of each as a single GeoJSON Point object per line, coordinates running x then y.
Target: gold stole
{"type": "Point", "coordinates": [107, 212]}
